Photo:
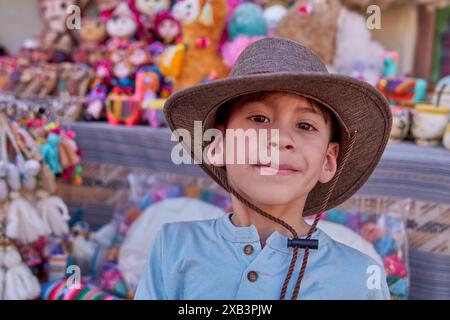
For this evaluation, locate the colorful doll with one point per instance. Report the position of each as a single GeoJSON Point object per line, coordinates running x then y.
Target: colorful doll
{"type": "Point", "coordinates": [147, 11]}
{"type": "Point", "coordinates": [50, 153]}
{"type": "Point", "coordinates": [121, 26]}
{"type": "Point", "coordinates": [139, 55]}
{"type": "Point", "coordinates": [106, 6]}
{"type": "Point", "coordinates": [167, 28]}
{"type": "Point", "coordinates": [103, 73]}
{"type": "Point", "coordinates": [92, 36]}
{"type": "Point", "coordinates": [96, 102]}
{"type": "Point", "coordinates": [123, 72]}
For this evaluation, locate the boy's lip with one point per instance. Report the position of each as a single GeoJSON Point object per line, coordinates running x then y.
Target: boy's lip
{"type": "Point", "coordinates": [282, 169]}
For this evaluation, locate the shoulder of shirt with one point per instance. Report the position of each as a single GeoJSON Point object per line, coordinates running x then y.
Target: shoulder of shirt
{"type": "Point", "coordinates": [347, 254]}
{"type": "Point", "coordinates": [180, 231]}
{"type": "Point", "coordinates": [356, 267]}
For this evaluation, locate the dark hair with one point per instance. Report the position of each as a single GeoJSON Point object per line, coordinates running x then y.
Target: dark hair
{"type": "Point", "coordinates": [223, 113]}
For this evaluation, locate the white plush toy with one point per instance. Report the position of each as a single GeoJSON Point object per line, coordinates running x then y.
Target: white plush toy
{"type": "Point", "coordinates": [23, 222]}
{"type": "Point", "coordinates": [54, 213]}
{"type": "Point", "coordinates": [356, 53]}
{"type": "Point", "coordinates": [29, 173]}
{"type": "Point", "coordinates": [17, 282]}
{"type": "Point", "coordinates": [13, 177]}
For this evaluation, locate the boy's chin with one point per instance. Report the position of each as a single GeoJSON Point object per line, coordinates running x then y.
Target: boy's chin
{"type": "Point", "coordinates": [270, 197]}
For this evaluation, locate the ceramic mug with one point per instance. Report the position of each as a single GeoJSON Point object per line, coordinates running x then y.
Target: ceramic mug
{"type": "Point", "coordinates": [429, 124]}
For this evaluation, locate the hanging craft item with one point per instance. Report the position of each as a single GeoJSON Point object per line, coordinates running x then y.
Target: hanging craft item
{"type": "Point", "coordinates": [17, 282]}
{"type": "Point", "coordinates": [54, 212]}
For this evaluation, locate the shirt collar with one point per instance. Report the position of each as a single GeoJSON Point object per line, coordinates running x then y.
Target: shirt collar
{"type": "Point", "coordinates": [276, 240]}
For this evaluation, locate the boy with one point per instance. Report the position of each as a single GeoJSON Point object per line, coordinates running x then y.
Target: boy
{"type": "Point", "coordinates": [330, 132]}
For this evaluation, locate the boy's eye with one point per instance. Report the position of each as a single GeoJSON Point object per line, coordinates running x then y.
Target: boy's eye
{"type": "Point", "coordinates": [305, 126]}
{"type": "Point", "coordinates": [259, 118]}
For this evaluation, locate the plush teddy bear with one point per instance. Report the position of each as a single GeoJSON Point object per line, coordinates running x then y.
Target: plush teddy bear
{"type": "Point", "coordinates": [203, 22]}
{"type": "Point", "coordinates": [312, 24]}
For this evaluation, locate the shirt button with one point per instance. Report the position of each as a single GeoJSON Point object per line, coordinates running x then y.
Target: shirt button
{"type": "Point", "coordinates": [252, 276]}
{"type": "Point", "coordinates": [248, 249]}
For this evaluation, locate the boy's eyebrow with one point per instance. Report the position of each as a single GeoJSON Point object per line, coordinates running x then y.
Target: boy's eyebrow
{"type": "Point", "coordinates": [298, 108]}
{"type": "Point", "coordinates": [307, 110]}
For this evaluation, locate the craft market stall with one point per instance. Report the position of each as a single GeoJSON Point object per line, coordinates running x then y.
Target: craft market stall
{"type": "Point", "coordinates": [86, 174]}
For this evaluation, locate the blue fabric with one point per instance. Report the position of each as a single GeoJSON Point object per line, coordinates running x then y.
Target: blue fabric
{"type": "Point", "coordinates": [205, 260]}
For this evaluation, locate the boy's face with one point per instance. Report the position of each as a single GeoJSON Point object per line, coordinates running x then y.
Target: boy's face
{"type": "Point", "coordinates": [306, 155]}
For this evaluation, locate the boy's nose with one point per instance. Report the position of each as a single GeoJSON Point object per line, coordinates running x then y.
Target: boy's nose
{"type": "Point", "coordinates": [284, 140]}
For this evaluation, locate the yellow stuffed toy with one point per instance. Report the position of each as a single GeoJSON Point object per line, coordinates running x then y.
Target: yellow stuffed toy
{"type": "Point", "coordinates": [203, 22]}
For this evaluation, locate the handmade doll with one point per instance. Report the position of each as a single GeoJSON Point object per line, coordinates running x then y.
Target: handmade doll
{"type": "Point", "coordinates": [49, 151]}
{"type": "Point", "coordinates": [147, 11]}
{"type": "Point", "coordinates": [48, 78]}
{"type": "Point", "coordinates": [167, 28]}
{"type": "Point", "coordinates": [121, 26]}
{"type": "Point", "coordinates": [79, 79]}
{"type": "Point", "coordinates": [56, 35]}
{"type": "Point", "coordinates": [203, 22]}
{"type": "Point", "coordinates": [103, 73]}
{"type": "Point", "coordinates": [92, 32]}
{"type": "Point", "coordinates": [17, 282]}
{"type": "Point", "coordinates": [139, 55]}
{"type": "Point", "coordinates": [92, 36]}
{"type": "Point", "coordinates": [96, 102]}
{"type": "Point", "coordinates": [122, 80]}
{"type": "Point", "coordinates": [106, 6]}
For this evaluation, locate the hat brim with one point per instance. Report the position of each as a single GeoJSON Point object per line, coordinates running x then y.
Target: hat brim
{"type": "Point", "coordinates": [357, 105]}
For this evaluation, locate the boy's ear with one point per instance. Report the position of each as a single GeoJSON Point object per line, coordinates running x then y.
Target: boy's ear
{"type": "Point", "coordinates": [330, 163]}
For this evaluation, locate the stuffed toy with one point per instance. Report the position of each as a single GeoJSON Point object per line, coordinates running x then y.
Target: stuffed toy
{"type": "Point", "coordinates": [122, 81]}
{"type": "Point", "coordinates": [106, 5]}
{"type": "Point", "coordinates": [312, 24]}
{"type": "Point", "coordinates": [56, 36]}
{"type": "Point", "coordinates": [203, 22]}
{"type": "Point", "coordinates": [167, 28]}
{"type": "Point", "coordinates": [92, 37]}
{"type": "Point", "coordinates": [231, 50]}
{"type": "Point", "coordinates": [121, 26]}
{"type": "Point", "coordinates": [361, 5]}
{"type": "Point", "coordinates": [273, 16]}
{"type": "Point", "coordinates": [139, 55]}
{"type": "Point", "coordinates": [50, 153]}
{"type": "Point", "coordinates": [17, 282]}
{"type": "Point", "coordinates": [356, 53]}
{"type": "Point", "coordinates": [92, 33]}
{"type": "Point", "coordinates": [248, 19]}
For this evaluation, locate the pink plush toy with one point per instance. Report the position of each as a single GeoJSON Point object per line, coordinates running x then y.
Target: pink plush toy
{"type": "Point", "coordinates": [232, 50]}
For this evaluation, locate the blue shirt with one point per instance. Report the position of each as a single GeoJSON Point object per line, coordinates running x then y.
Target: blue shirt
{"type": "Point", "coordinates": [212, 259]}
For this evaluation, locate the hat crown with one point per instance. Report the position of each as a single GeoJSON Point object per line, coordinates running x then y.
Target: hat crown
{"type": "Point", "coordinates": [275, 55]}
